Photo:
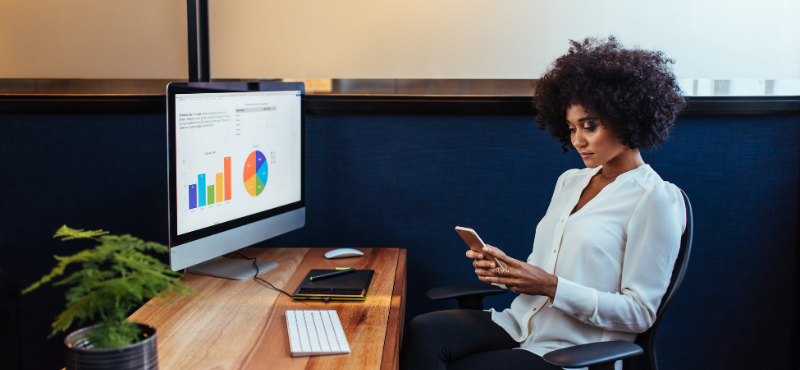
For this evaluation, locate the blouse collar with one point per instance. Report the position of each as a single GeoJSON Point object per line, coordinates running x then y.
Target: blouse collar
{"type": "Point", "coordinates": [622, 176]}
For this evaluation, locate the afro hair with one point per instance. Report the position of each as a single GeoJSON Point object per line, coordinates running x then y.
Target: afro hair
{"type": "Point", "coordinates": [632, 90]}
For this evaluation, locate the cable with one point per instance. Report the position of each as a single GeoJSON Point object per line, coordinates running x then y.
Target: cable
{"type": "Point", "coordinates": [258, 278]}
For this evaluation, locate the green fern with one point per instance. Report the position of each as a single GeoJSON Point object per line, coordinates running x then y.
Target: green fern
{"type": "Point", "coordinates": [115, 278]}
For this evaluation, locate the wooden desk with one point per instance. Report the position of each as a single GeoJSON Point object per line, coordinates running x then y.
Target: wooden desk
{"type": "Point", "coordinates": [241, 324]}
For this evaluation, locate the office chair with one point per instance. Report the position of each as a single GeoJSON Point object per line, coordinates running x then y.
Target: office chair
{"type": "Point", "coordinates": [602, 355]}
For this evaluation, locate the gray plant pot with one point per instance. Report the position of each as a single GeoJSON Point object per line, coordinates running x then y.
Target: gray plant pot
{"type": "Point", "coordinates": [140, 355]}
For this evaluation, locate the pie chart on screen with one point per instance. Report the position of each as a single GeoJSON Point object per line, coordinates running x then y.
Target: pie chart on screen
{"type": "Point", "coordinates": [255, 173]}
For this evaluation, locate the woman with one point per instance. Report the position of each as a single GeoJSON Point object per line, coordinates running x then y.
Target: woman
{"type": "Point", "coordinates": [603, 253]}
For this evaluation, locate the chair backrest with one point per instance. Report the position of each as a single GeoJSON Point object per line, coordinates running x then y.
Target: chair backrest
{"type": "Point", "coordinates": [647, 340]}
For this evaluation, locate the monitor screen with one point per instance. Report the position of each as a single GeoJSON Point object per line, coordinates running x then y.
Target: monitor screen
{"type": "Point", "coordinates": [237, 154]}
{"type": "Point", "coordinates": [235, 167]}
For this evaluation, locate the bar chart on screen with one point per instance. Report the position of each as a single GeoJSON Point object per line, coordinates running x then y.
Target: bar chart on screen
{"type": "Point", "coordinates": [206, 192]}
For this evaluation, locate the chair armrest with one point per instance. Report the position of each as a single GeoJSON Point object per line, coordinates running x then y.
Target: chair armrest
{"type": "Point", "coordinates": [592, 354]}
{"type": "Point", "coordinates": [464, 291]}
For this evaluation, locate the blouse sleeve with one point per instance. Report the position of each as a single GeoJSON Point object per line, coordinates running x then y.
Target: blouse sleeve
{"type": "Point", "coordinates": [653, 242]}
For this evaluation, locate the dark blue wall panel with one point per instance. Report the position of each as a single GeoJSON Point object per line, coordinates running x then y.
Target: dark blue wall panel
{"type": "Point", "coordinates": [86, 171]}
{"type": "Point", "coordinates": [735, 309]}
{"type": "Point", "coordinates": [406, 181]}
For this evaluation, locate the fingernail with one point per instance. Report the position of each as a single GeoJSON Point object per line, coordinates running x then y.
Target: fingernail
{"type": "Point", "coordinates": [486, 248]}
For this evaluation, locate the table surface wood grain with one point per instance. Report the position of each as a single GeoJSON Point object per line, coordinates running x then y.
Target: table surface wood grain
{"type": "Point", "coordinates": [241, 324]}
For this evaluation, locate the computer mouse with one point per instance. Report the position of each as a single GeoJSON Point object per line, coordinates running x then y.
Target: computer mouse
{"type": "Point", "coordinates": [344, 252]}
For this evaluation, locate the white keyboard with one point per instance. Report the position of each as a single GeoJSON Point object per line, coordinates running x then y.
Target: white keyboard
{"type": "Point", "coordinates": [313, 333]}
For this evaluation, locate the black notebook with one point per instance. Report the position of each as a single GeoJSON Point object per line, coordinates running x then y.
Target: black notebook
{"type": "Point", "coordinates": [351, 286]}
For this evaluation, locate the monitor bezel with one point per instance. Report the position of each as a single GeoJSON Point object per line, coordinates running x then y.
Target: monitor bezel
{"type": "Point", "coordinates": [212, 87]}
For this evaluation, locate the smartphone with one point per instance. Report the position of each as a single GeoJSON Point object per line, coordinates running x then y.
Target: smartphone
{"type": "Point", "coordinates": [474, 242]}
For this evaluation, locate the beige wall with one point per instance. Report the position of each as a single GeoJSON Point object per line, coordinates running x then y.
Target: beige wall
{"type": "Point", "coordinates": [717, 39]}
{"type": "Point", "coordinates": [93, 39]}
{"type": "Point", "coordinates": [429, 39]}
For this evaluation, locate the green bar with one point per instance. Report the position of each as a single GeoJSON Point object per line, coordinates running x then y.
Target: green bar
{"type": "Point", "coordinates": [210, 194]}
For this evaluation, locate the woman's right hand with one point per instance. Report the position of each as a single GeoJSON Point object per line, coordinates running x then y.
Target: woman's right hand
{"type": "Point", "coordinates": [480, 263]}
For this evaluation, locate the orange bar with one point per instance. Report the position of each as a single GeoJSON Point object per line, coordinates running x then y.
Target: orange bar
{"type": "Point", "coordinates": [227, 178]}
{"type": "Point", "coordinates": [219, 187]}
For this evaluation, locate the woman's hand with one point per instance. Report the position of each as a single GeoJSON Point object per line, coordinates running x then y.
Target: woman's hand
{"type": "Point", "coordinates": [521, 277]}
{"type": "Point", "coordinates": [480, 262]}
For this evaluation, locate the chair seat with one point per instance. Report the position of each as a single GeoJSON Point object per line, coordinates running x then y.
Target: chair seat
{"type": "Point", "coordinates": [464, 291]}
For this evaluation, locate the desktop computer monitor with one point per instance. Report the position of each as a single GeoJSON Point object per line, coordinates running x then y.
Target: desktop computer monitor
{"type": "Point", "coordinates": [235, 171]}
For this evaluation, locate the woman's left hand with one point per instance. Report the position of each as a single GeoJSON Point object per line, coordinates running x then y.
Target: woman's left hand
{"type": "Point", "coordinates": [521, 277]}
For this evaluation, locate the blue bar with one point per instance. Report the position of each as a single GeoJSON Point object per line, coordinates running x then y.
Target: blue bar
{"type": "Point", "coordinates": [193, 196]}
{"type": "Point", "coordinates": [201, 183]}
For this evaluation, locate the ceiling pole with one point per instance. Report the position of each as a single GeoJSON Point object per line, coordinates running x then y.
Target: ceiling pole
{"type": "Point", "coordinates": [199, 56]}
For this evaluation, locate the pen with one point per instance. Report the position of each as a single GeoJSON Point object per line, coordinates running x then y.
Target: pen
{"type": "Point", "coordinates": [331, 274]}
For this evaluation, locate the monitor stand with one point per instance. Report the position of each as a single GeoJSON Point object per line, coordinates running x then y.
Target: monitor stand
{"type": "Point", "coordinates": [230, 268]}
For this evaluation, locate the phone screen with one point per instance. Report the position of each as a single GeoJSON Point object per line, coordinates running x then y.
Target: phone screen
{"type": "Point", "coordinates": [474, 241]}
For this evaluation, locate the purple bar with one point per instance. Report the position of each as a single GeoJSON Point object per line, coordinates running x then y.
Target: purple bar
{"type": "Point", "coordinates": [193, 196]}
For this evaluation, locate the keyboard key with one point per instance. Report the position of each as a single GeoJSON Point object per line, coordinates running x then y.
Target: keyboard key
{"type": "Point", "coordinates": [305, 344]}
{"type": "Point", "coordinates": [323, 339]}
{"type": "Point", "coordinates": [311, 332]}
{"type": "Point", "coordinates": [337, 328]}
{"type": "Point", "coordinates": [326, 322]}
{"type": "Point", "coordinates": [294, 337]}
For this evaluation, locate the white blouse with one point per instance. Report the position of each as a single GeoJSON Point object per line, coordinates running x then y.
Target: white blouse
{"type": "Point", "coordinates": [613, 259]}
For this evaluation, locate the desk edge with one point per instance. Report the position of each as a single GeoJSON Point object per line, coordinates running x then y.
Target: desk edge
{"type": "Point", "coordinates": [394, 328]}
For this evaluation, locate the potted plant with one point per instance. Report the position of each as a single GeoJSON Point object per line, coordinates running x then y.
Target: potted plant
{"type": "Point", "coordinates": [115, 278]}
